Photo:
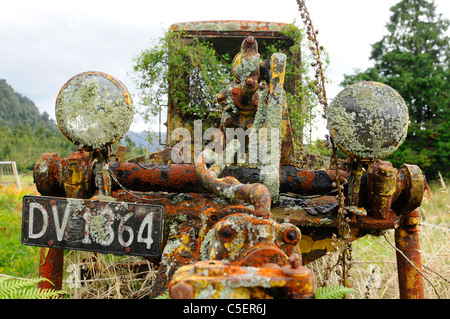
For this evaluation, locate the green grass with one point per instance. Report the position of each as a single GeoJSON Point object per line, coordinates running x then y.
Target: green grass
{"type": "Point", "coordinates": [15, 259]}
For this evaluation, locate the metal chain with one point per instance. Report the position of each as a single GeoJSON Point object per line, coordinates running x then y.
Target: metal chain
{"type": "Point", "coordinates": [344, 227]}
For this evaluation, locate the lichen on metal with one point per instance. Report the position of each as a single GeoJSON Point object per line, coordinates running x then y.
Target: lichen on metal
{"type": "Point", "coordinates": [368, 120]}
{"type": "Point", "coordinates": [252, 105]}
{"type": "Point", "coordinates": [239, 233]}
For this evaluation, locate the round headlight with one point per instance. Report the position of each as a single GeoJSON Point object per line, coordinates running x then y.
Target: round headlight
{"type": "Point", "coordinates": [368, 120]}
{"type": "Point", "coordinates": [94, 109]}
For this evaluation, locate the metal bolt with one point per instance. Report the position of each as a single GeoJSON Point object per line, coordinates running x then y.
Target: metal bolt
{"type": "Point", "coordinates": [181, 290]}
{"type": "Point", "coordinates": [225, 232]}
{"type": "Point", "coordinates": [294, 260]}
{"type": "Point", "coordinates": [127, 250]}
{"type": "Point", "coordinates": [250, 39]}
{"type": "Point", "coordinates": [220, 97]}
{"type": "Point", "coordinates": [250, 82]}
{"type": "Point", "coordinates": [50, 242]}
{"type": "Point", "coordinates": [291, 236]}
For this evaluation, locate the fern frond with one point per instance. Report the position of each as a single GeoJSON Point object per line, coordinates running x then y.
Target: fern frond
{"type": "Point", "coordinates": [18, 288]}
{"type": "Point", "coordinates": [333, 292]}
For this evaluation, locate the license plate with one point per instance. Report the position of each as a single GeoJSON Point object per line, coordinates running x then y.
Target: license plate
{"type": "Point", "coordinates": [98, 226]}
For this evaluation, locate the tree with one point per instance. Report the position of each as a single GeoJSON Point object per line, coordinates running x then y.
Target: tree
{"type": "Point", "coordinates": [413, 59]}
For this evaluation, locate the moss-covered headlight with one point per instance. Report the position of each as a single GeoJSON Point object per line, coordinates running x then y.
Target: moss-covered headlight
{"type": "Point", "coordinates": [93, 109]}
{"type": "Point", "coordinates": [368, 120]}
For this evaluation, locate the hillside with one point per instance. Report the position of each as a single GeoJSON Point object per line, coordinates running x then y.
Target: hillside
{"type": "Point", "coordinates": [144, 141]}
{"type": "Point", "coordinates": [24, 132]}
{"type": "Point", "coordinates": [16, 110]}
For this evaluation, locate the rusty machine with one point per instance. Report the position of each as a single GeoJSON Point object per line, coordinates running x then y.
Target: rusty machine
{"type": "Point", "coordinates": [220, 228]}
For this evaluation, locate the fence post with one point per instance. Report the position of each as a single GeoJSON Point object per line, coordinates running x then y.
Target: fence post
{"type": "Point", "coordinates": [4, 171]}
{"type": "Point", "coordinates": [16, 175]}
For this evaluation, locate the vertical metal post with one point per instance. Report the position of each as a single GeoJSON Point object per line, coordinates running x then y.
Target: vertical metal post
{"type": "Point", "coordinates": [51, 267]}
{"type": "Point", "coordinates": [407, 241]}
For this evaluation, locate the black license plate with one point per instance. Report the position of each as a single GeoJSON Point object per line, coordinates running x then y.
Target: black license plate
{"type": "Point", "coordinates": [122, 228]}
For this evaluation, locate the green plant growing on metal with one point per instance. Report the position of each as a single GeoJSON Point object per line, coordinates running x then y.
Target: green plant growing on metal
{"type": "Point", "coordinates": [192, 73]}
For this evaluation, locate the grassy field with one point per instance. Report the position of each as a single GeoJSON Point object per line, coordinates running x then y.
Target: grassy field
{"type": "Point", "coordinates": [373, 272]}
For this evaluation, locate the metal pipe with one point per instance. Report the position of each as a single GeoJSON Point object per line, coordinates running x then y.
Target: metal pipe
{"type": "Point", "coordinates": [154, 177]}
{"type": "Point", "coordinates": [255, 194]}
{"type": "Point", "coordinates": [407, 241]}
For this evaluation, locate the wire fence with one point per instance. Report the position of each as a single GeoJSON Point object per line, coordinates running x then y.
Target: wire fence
{"type": "Point", "coordinates": [8, 174]}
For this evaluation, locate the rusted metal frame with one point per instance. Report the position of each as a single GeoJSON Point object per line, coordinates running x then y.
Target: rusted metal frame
{"type": "Point", "coordinates": [260, 29]}
{"type": "Point", "coordinates": [193, 215]}
{"type": "Point", "coordinates": [193, 204]}
{"type": "Point", "coordinates": [182, 211]}
{"type": "Point", "coordinates": [301, 218]}
{"type": "Point", "coordinates": [153, 177]}
{"type": "Point", "coordinates": [183, 178]}
{"type": "Point", "coordinates": [292, 179]}
{"type": "Point", "coordinates": [411, 283]}
{"type": "Point", "coordinates": [51, 264]}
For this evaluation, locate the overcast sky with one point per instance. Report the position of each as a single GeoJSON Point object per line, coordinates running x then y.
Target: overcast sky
{"type": "Point", "coordinates": [44, 43]}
